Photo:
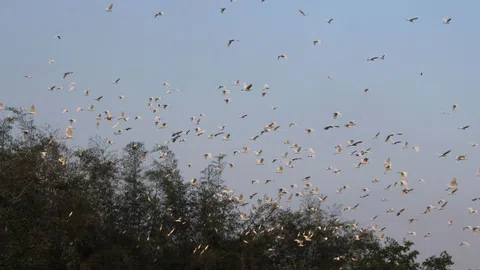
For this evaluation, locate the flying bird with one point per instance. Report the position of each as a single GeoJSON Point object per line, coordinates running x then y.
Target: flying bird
{"type": "Point", "coordinates": [109, 9]}
{"type": "Point", "coordinates": [330, 126]}
{"type": "Point", "coordinates": [376, 58]}
{"type": "Point", "coordinates": [69, 132]}
{"type": "Point", "coordinates": [445, 154]}
{"type": "Point", "coordinates": [231, 41]}
{"type": "Point", "coordinates": [32, 110]}
{"type": "Point", "coordinates": [66, 74]}
{"type": "Point", "coordinates": [301, 12]}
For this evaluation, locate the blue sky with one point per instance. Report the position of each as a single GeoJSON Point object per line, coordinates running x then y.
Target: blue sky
{"type": "Point", "coordinates": [187, 47]}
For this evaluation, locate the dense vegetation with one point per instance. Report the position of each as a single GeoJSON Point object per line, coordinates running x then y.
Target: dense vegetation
{"type": "Point", "coordinates": [93, 208]}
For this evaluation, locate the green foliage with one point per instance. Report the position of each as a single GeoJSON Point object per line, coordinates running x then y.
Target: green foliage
{"type": "Point", "coordinates": [443, 262]}
{"type": "Point", "coordinates": [94, 209]}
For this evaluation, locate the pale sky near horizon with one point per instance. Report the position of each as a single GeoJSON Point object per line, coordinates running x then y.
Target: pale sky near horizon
{"type": "Point", "coordinates": [187, 47]}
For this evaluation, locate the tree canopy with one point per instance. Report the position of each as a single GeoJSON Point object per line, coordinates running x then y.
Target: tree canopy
{"type": "Point", "coordinates": [93, 208]}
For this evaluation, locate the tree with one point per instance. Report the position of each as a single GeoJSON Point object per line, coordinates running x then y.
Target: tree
{"type": "Point", "coordinates": [391, 255]}
{"type": "Point", "coordinates": [170, 209]}
{"type": "Point", "coordinates": [65, 208]}
{"type": "Point", "coordinates": [443, 262]}
{"type": "Point", "coordinates": [134, 195]}
{"type": "Point", "coordinates": [216, 217]}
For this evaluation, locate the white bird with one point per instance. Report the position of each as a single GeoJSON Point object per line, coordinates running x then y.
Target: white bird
{"type": "Point", "coordinates": [69, 132]}
{"type": "Point", "coordinates": [403, 175]}
{"type": "Point", "coordinates": [32, 110]}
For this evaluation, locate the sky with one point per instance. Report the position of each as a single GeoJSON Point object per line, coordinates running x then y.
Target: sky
{"type": "Point", "coordinates": [187, 47]}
